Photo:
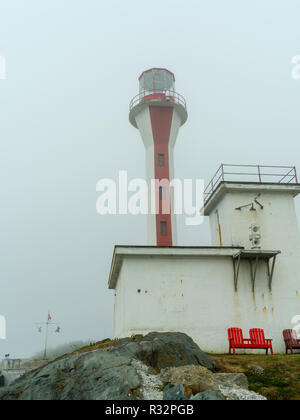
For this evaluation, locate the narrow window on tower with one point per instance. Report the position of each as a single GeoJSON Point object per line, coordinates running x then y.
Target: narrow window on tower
{"type": "Point", "coordinates": [163, 228]}
{"type": "Point", "coordinates": [161, 159]}
{"type": "Point", "coordinates": [161, 193]}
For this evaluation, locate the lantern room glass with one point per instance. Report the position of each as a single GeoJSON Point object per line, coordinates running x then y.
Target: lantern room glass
{"type": "Point", "coordinates": [157, 80]}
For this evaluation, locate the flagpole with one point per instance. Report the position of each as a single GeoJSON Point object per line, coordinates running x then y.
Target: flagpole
{"type": "Point", "coordinates": [46, 339]}
{"type": "Point", "coordinates": [48, 324]}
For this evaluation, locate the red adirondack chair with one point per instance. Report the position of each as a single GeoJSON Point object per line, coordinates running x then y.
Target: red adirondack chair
{"type": "Point", "coordinates": [236, 340]}
{"type": "Point", "coordinates": [291, 340]}
{"type": "Point", "coordinates": [259, 341]}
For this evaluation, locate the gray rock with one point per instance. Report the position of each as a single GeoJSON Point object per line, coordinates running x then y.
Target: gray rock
{"type": "Point", "coordinates": [200, 379]}
{"type": "Point", "coordinates": [7, 393]}
{"type": "Point", "coordinates": [236, 394]}
{"type": "Point", "coordinates": [105, 371]}
{"type": "Point", "coordinates": [161, 350]}
{"type": "Point", "coordinates": [209, 396]}
{"type": "Point", "coordinates": [174, 393]}
{"type": "Point", "coordinates": [258, 369]}
{"type": "Point", "coordinates": [186, 375]}
{"type": "Point", "coordinates": [152, 386]}
{"type": "Point", "coordinates": [231, 380]}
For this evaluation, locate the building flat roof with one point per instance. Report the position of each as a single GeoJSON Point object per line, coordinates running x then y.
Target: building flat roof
{"type": "Point", "coordinates": [236, 253]}
{"type": "Point", "coordinates": [122, 251]}
{"type": "Point", "coordinates": [226, 186]}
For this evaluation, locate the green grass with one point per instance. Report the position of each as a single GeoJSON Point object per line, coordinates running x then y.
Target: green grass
{"type": "Point", "coordinates": [281, 378]}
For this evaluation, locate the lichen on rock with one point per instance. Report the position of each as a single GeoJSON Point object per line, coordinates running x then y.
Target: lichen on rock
{"type": "Point", "coordinates": [107, 370]}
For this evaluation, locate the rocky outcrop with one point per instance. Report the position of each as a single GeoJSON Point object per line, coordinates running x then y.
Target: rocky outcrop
{"type": "Point", "coordinates": [159, 366]}
{"type": "Point", "coordinates": [107, 370]}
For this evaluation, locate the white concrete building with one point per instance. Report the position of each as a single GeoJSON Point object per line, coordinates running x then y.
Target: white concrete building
{"type": "Point", "coordinates": [235, 283]}
{"type": "Point", "coordinates": [11, 370]}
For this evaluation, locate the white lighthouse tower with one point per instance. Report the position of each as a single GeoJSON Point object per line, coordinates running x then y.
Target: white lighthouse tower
{"type": "Point", "coordinates": [158, 112]}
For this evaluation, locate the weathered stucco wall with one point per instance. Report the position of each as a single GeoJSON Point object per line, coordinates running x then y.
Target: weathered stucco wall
{"type": "Point", "coordinates": [12, 375]}
{"type": "Point", "coordinates": [278, 220]}
{"type": "Point", "coordinates": [196, 296]}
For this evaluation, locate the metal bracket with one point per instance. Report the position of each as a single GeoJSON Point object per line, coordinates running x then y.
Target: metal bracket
{"type": "Point", "coordinates": [236, 269]}
{"type": "Point", "coordinates": [271, 271]}
{"type": "Point", "coordinates": [253, 271]}
{"type": "Point", "coordinates": [253, 263]}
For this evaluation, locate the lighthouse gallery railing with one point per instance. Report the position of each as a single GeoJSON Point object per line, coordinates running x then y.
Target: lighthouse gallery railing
{"type": "Point", "coordinates": [167, 95]}
{"type": "Point", "coordinates": [251, 173]}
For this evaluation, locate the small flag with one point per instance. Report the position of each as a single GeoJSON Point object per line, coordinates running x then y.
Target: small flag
{"type": "Point", "coordinates": [49, 317]}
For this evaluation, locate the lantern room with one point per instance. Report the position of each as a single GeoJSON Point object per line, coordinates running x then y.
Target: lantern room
{"type": "Point", "coordinates": [156, 81]}
{"type": "Point", "coordinates": [157, 88]}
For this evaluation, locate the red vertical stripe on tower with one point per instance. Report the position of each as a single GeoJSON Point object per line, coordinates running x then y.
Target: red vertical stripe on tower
{"type": "Point", "coordinates": [161, 121]}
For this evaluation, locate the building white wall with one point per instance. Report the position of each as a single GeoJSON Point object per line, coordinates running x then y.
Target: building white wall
{"type": "Point", "coordinates": [278, 220]}
{"type": "Point", "coordinates": [279, 230]}
{"type": "Point", "coordinates": [196, 295]}
{"type": "Point", "coordinates": [12, 375]}
{"type": "Point", "coordinates": [11, 370]}
{"type": "Point", "coordinates": [169, 294]}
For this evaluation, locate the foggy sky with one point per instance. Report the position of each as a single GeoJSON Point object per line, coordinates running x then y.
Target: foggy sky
{"type": "Point", "coordinates": [72, 68]}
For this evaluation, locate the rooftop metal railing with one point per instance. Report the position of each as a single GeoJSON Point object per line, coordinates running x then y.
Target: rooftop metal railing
{"type": "Point", "coordinates": [251, 173]}
{"type": "Point", "coordinates": [167, 95]}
